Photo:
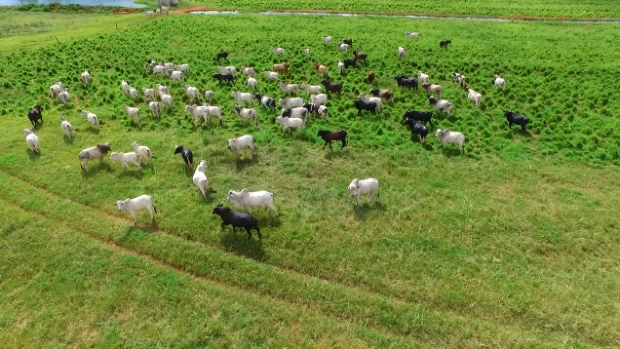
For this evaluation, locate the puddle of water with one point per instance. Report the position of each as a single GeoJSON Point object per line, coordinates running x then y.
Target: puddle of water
{"type": "Point", "coordinates": [482, 19]}
{"type": "Point", "coordinates": [118, 3]}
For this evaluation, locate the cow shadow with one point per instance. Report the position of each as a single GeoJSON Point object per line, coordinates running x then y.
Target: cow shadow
{"type": "Point", "coordinates": [269, 220]}
{"type": "Point", "coordinates": [93, 170]}
{"type": "Point", "coordinates": [148, 229]}
{"type": "Point", "coordinates": [362, 210]}
{"type": "Point", "coordinates": [334, 154]}
{"type": "Point", "coordinates": [68, 140]}
{"type": "Point", "coordinates": [242, 163]}
{"type": "Point", "coordinates": [94, 130]}
{"type": "Point", "coordinates": [239, 244]}
{"type": "Point", "coordinates": [137, 174]}
{"type": "Point", "coordinates": [451, 151]}
{"type": "Point", "coordinates": [32, 156]}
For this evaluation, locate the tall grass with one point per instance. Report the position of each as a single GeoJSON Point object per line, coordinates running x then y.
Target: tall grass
{"type": "Point", "coordinates": [509, 246]}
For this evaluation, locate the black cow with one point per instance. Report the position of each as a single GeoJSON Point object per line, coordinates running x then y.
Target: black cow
{"type": "Point", "coordinates": [348, 42]}
{"type": "Point", "coordinates": [361, 105]}
{"type": "Point", "coordinates": [237, 219]}
{"type": "Point", "coordinates": [360, 56]}
{"type": "Point", "coordinates": [444, 43]}
{"type": "Point", "coordinates": [516, 119]}
{"type": "Point", "coordinates": [221, 55]}
{"type": "Point", "coordinates": [420, 116]}
{"type": "Point", "coordinates": [417, 129]}
{"type": "Point", "coordinates": [406, 81]}
{"type": "Point", "coordinates": [332, 86]}
{"type": "Point", "coordinates": [329, 136]}
{"type": "Point", "coordinates": [350, 63]}
{"type": "Point", "coordinates": [186, 154]}
{"type": "Point", "coordinates": [35, 115]}
{"type": "Point", "coordinates": [223, 77]}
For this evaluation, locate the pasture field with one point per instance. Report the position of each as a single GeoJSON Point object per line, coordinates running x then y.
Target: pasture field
{"type": "Point", "coordinates": [511, 9]}
{"type": "Point", "coordinates": [510, 245]}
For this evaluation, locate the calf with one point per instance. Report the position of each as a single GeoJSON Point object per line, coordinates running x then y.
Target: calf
{"type": "Point", "coordinates": [417, 129]}
{"type": "Point", "coordinates": [329, 136]}
{"type": "Point", "coordinates": [34, 115]}
{"type": "Point", "coordinates": [237, 219]}
{"type": "Point", "coordinates": [516, 119]}
{"type": "Point", "coordinates": [444, 43]}
{"type": "Point", "coordinates": [186, 154]}
{"type": "Point", "coordinates": [142, 202]}
{"type": "Point", "coordinates": [362, 187]}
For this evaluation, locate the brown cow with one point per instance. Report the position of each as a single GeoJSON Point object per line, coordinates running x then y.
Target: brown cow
{"type": "Point", "coordinates": [282, 67]}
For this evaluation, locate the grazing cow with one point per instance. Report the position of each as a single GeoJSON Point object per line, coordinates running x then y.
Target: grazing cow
{"type": "Point", "coordinates": [371, 76]}
{"type": "Point", "coordinates": [406, 82]}
{"type": "Point", "coordinates": [224, 77]}
{"type": "Point", "coordinates": [329, 136]}
{"type": "Point", "coordinates": [237, 219]}
{"type": "Point", "coordinates": [266, 101]}
{"type": "Point", "coordinates": [361, 105]}
{"type": "Point", "coordinates": [278, 51]}
{"type": "Point", "coordinates": [444, 43]}
{"type": "Point", "coordinates": [360, 56]}
{"type": "Point", "coordinates": [473, 96]}
{"type": "Point", "coordinates": [417, 129]}
{"type": "Point", "coordinates": [142, 202]}
{"type": "Point", "coordinates": [34, 115]}
{"type": "Point", "coordinates": [321, 69]}
{"type": "Point", "coordinates": [499, 82]}
{"type": "Point", "coordinates": [420, 116]}
{"type": "Point", "coordinates": [411, 35]}
{"type": "Point", "coordinates": [245, 113]}
{"type": "Point", "coordinates": [221, 55]}
{"type": "Point", "coordinates": [441, 104]}
{"type": "Point", "coordinates": [282, 67]}
{"type": "Point", "coordinates": [385, 94]}
{"type": "Point", "coordinates": [332, 86]}
{"type": "Point", "coordinates": [447, 136]}
{"type": "Point", "coordinates": [350, 63]}
{"type": "Point", "coordinates": [516, 119]}
{"type": "Point", "coordinates": [186, 154]}
{"type": "Point", "coordinates": [362, 187]}
{"type": "Point", "coordinates": [432, 89]}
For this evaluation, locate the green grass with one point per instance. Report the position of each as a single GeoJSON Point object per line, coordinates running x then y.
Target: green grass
{"type": "Point", "coordinates": [512, 245]}
{"type": "Point", "coordinates": [518, 8]}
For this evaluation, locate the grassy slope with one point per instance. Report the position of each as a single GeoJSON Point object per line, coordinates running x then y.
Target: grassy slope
{"type": "Point", "coordinates": [458, 252]}
{"type": "Point", "coordinates": [518, 8]}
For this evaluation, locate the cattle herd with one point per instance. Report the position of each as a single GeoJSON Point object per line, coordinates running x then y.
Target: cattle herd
{"type": "Point", "coordinates": [294, 115]}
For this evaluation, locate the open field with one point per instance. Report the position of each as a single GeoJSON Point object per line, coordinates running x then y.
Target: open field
{"type": "Point", "coordinates": [516, 9]}
{"type": "Point", "coordinates": [512, 245]}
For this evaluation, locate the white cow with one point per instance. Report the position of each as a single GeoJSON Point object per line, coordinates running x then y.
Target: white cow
{"type": "Point", "coordinates": [368, 99]}
{"type": "Point", "coordinates": [286, 88]}
{"type": "Point", "coordinates": [142, 202]}
{"type": "Point", "coordinates": [154, 108]}
{"type": "Point", "coordinates": [401, 52]}
{"type": "Point", "coordinates": [320, 99]}
{"type": "Point", "coordinates": [134, 113]}
{"type": "Point", "coordinates": [291, 102]}
{"type": "Point", "coordinates": [246, 113]}
{"type": "Point", "coordinates": [126, 158]}
{"type": "Point", "coordinates": [245, 199]}
{"type": "Point", "coordinates": [66, 126]}
{"type": "Point", "coordinates": [192, 93]}
{"type": "Point", "coordinates": [200, 178]}
{"type": "Point", "coordinates": [162, 90]}
{"type": "Point", "coordinates": [473, 96]}
{"type": "Point", "coordinates": [248, 71]}
{"type": "Point", "coordinates": [499, 82]}
{"type": "Point", "coordinates": [92, 118]}
{"type": "Point", "coordinates": [56, 88]}
{"type": "Point", "coordinates": [241, 97]}
{"type": "Point", "coordinates": [411, 35]}
{"type": "Point", "coordinates": [326, 39]}
{"type": "Point", "coordinates": [278, 51]}
{"type": "Point", "coordinates": [441, 104]}
{"type": "Point", "coordinates": [32, 140]}
{"type": "Point", "coordinates": [340, 67]}
{"type": "Point", "coordinates": [197, 111]}
{"type": "Point", "coordinates": [447, 136]}
{"type": "Point", "coordinates": [236, 144]}
{"type": "Point", "coordinates": [312, 89]}
{"type": "Point", "coordinates": [307, 52]}
{"type": "Point", "coordinates": [176, 75]}
{"type": "Point", "coordinates": [423, 77]}
{"type": "Point", "coordinates": [142, 150]}
{"type": "Point", "coordinates": [362, 187]}
{"type": "Point", "coordinates": [271, 75]}
{"type": "Point", "coordinates": [290, 123]}
{"type": "Point", "coordinates": [64, 97]}
{"type": "Point", "coordinates": [252, 83]}
{"type": "Point", "coordinates": [85, 77]}
{"type": "Point", "coordinates": [148, 93]}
